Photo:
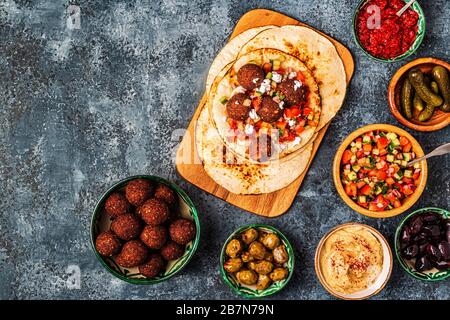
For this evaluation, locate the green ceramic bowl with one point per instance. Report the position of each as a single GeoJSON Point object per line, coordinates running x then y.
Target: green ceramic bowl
{"type": "Point", "coordinates": [430, 275]}
{"type": "Point", "coordinates": [419, 37]}
{"type": "Point", "coordinates": [101, 222]}
{"type": "Point", "coordinates": [250, 291]}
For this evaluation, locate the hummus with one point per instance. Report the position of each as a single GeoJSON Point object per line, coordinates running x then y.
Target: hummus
{"type": "Point", "coordinates": [351, 259]}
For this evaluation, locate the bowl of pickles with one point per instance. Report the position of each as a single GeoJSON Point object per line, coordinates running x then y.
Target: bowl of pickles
{"type": "Point", "coordinates": [419, 94]}
{"type": "Point", "coordinates": [256, 261]}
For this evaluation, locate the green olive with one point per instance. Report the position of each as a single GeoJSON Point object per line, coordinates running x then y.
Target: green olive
{"type": "Point", "coordinates": [271, 241]}
{"type": "Point", "coordinates": [234, 248]}
{"type": "Point", "coordinates": [233, 265]}
{"type": "Point", "coordinates": [263, 267]}
{"type": "Point", "coordinates": [263, 282]}
{"type": "Point", "coordinates": [247, 277]}
{"type": "Point", "coordinates": [249, 235]}
{"type": "Point", "coordinates": [257, 250]}
{"type": "Point", "coordinates": [279, 274]}
{"type": "Point", "coordinates": [280, 254]}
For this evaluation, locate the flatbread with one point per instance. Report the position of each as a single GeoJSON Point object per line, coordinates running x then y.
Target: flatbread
{"type": "Point", "coordinates": [320, 56]}
{"type": "Point", "coordinates": [238, 175]}
{"type": "Point", "coordinates": [230, 52]}
{"type": "Point", "coordinates": [224, 87]}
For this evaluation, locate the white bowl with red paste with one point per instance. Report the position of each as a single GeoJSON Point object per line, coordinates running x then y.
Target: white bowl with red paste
{"type": "Point", "coordinates": [384, 36]}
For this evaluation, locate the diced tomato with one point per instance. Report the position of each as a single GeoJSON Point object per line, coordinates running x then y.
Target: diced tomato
{"type": "Point", "coordinates": [364, 205]}
{"type": "Point", "coordinates": [407, 180]}
{"type": "Point", "coordinates": [281, 124]}
{"type": "Point", "coordinates": [382, 143]}
{"type": "Point", "coordinates": [281, 71]}
{"type": "Point", "coordinates": [299, 129]}
{"type": "Point", "coordinates": [367, 147]}
{"type": "Point", "coordinates": [295, 112]}
{"type": "Point", "coordinates": [256, 102]}
{"type": "Point", "coordinates": [312, 123]}
{"type": "Point", "coordinates": [403, 141]}
{"type": "Point", "coordinates": [390, 181]}
{"type": "Point", "coordinates": [361, 161]}
{"type": "Point", "coordinates": [359, 139]}
{"type": "Point", "coordinates": [407, 147]}
{"type": "Point", "coordinates": [232, 123]}
{"type": "Point", "coordinates": [372, 173]}
{"type": "Point", "coordinates": [347, 155]}
{"type": "Point", "coordinates": [288, 113]}
{"type": "Point", "coordinates": [360, 154]}
{"type": "Point", "coordinates": [306, 111]}
{"type": "Point", "coordinates": [301, 122]}
{"type": "Point", "coordinates": [267, 67]}
{"type": "Point", "coordinates": [360, 184]}
{"type": "Point", "coordinates": [366, 190]}
{"type": "Point", "coordinates": [301, 76]}
{"type": "Point", "coordinates": [351, 189]}
{"type": "Point", "coordinates": [416, 176]}
{"type": "Point", "coordinates": [407, 189]}
{"type": "Point", "coordinates": [383, 152]}
{"type": "Point", "coordinates": [381, 175]}
{"type": "Point", "coordinates": [397, 203]}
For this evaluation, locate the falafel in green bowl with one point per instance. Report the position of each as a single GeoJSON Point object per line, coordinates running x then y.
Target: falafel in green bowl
{"type": "Point", "coordinates": [257, 261]}
{"type": "Point", "coordinates": [144, 229]}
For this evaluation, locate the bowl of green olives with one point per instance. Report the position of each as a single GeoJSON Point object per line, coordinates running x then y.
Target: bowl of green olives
{"type": "Point", "coordinates": [419, 94]}
{"type": "Point", "coordinates": [257, 261]}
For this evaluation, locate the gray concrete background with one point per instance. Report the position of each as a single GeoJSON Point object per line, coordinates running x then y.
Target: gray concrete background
{"type": "Point", "coordinates": [81, 109]}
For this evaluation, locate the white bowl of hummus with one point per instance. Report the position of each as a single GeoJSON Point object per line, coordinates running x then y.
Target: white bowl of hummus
{"type": "Point", "coordinates": [353, 261]}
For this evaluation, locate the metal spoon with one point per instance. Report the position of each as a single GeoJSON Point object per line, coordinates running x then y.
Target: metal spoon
{"type": "Point", "coordinates": [405, 7]}
{"type": "Point", "coordinates": [445, 148]}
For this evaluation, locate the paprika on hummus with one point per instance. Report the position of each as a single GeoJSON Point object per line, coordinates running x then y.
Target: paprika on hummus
{"type": "Point", "coordinates": [351, 259]}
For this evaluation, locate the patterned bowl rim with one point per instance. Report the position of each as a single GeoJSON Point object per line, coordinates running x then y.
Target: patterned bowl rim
{"type": "Point", "coordinates": [419, 37]}
{"type": "Point", "coordinates": [444, 274]}
{"type": "Point", "coordinates": [184, 197]}
{"type": "Point", "coordinates": [270, 290]}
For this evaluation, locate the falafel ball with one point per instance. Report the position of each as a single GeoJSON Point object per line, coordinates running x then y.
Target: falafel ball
{"type": "Point", "coordinates": [250, 76]}
{"type": "Point", "coordinates": [154, 236]}
{"type": "Point", "coordinates": [163, 192]}
{"type": "Point", "coordinates": [239, 106]}
{"type": "Point", "coordinates": [126, 226]}
{"type": "Point", "coordinates": [133, 253]}
{"type": "Point", "coordinates": [107, 244]}
{"type": "Point", "coordinates": [269, 111]}
{"type": "Point", "coordinates": [154, 211]}
{"type": "Point", "coordinates": [137, 191]}
{"type": "Point", "coordinates": [294, 91]}
{"type": "Point", "coordinates": [172, 250]}
{"type": "Point", "coordinates": [116, 205]}
{"type": "Point", "coordinates": [182, 231]}
{"type": "Point", "coordinates": [154, 265]}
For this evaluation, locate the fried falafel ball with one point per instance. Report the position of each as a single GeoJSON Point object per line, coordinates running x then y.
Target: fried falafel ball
{"type": "Point", "coordinates": [116, 205]}
{"type": "Point", "coordinates": [163, 192]}
{"type": "Point", "coordinates": [154, 212]}
{"type": "Point", "coordinates": [269, 111]}
{"type": "Point", "coordinates": [137, 191]}
{"type": "Point", "coordinates": [133, 253]}
{"type": "Point", "coordinates": [126, 226]}
{"type": "Point", "coordinates": [293, 91]}
{"type": "Point", "coordinates": [153, 267]}
{"type": "Point", "coordinates": [239, 106]}
{"type": "Point", "coordinates": [172, 250]}
{"type": "Point", "coordinates": [108, 244]}
{"type": "Point", "coordinates": [250, 76]}
{"type": "Point", "coordinates": [182, 231]}
{"type": "Point", "coordinates": [154, 236]}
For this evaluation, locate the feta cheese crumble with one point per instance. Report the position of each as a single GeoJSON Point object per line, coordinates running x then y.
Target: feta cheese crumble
{"type": "Point", "coordinates": [253, 115]}
{"type": "Point", "coordinates": [297, 85]}
{"type": "Point", "coordinates": [276, 77]}
{"type": "Point", "coordinates": [265, 86]}
{"type": "Point", "coordinates": [248, 129]}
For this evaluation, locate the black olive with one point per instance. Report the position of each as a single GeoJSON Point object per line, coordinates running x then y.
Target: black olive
{"type": "Point", "coordinates": [423, 264]}
{"type": "Point", "coordinates": [442, 265]}
{"type": "Point", "coordinates": [431, 217]}
{"type": "Point", "coordinates": [432, 230]}
{"type": "Point", "coordinates": [410, 252]}
{"type": "Point", "coordinates": [444, 249]}
{"type": "Point", "coordinates": [405, 235]}
{"type": "Point", "coordinates": [415, 224]}
{"type": "Point", "coordinates": [433, 252]}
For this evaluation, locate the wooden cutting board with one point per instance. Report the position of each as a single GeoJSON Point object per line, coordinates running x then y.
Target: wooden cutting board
{"type": "Point", "coordinates": [189, 165]}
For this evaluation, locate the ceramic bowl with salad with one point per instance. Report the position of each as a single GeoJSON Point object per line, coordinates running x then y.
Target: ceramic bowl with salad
{"type": "Point", "coordinates": [372, 173]}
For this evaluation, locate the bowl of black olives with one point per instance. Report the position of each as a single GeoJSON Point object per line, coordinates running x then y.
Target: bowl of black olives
{"type": "Point", "coordinates": [422, 244]}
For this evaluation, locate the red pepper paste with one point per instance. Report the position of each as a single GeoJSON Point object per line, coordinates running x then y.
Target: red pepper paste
{"type": "Point", "coordinates": [390, 36]}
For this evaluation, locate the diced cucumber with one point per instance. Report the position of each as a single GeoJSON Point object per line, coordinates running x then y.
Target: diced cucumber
{"type": "Point", "coordinates": [407, 157]}
{"type": "Point", "coordinates": [396, 142]}
{"type": "Point", "coordinates": [276, 64]}
{"type": "Point", "coordinates": [391, 136]}
{"type": "Point", "coordinates": [223, 100]}
{"type": "Point", "coordinates": [258, 94]}
{"type": "Point", "coordinates": [375, 151]}
{"type": "Point", "coordinates": [362, 199]}
{"type": "Point", "coordinates": [404, 163]}
{"type": "Point", "coordinates": [358, 144]}
{"type": "Point", "coordinates": [378, 190]}
{"type": "Point", "coordinates": [394, 152]}
{"type": "Point", "coordinates": [269, 75]}
{"type": "Point", "coordinates": [356, 168]}
{"type": "Point", "coordinates": [353, 149]}
{"type": "Point", "coordinates": [398, 175]}
{"type": "Point", "coordinates": [398, 161]}
{"type": "Point", "coordinates": [417, 165]}
{"type": "Point", "coordinates": [352, 176]}
{"type": "Point", "coordinates": [390, 158]}
{"type": "Point", "coordinates": [353, 158]}
{"type": "Point", "coordinates": [367, 139]}
{"type": "Point", "coordinates": [408, 173]}
{"type": "Point", "coordinates": [366, 180]}
{"type": "Point", "coordinates": [347, 171]}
